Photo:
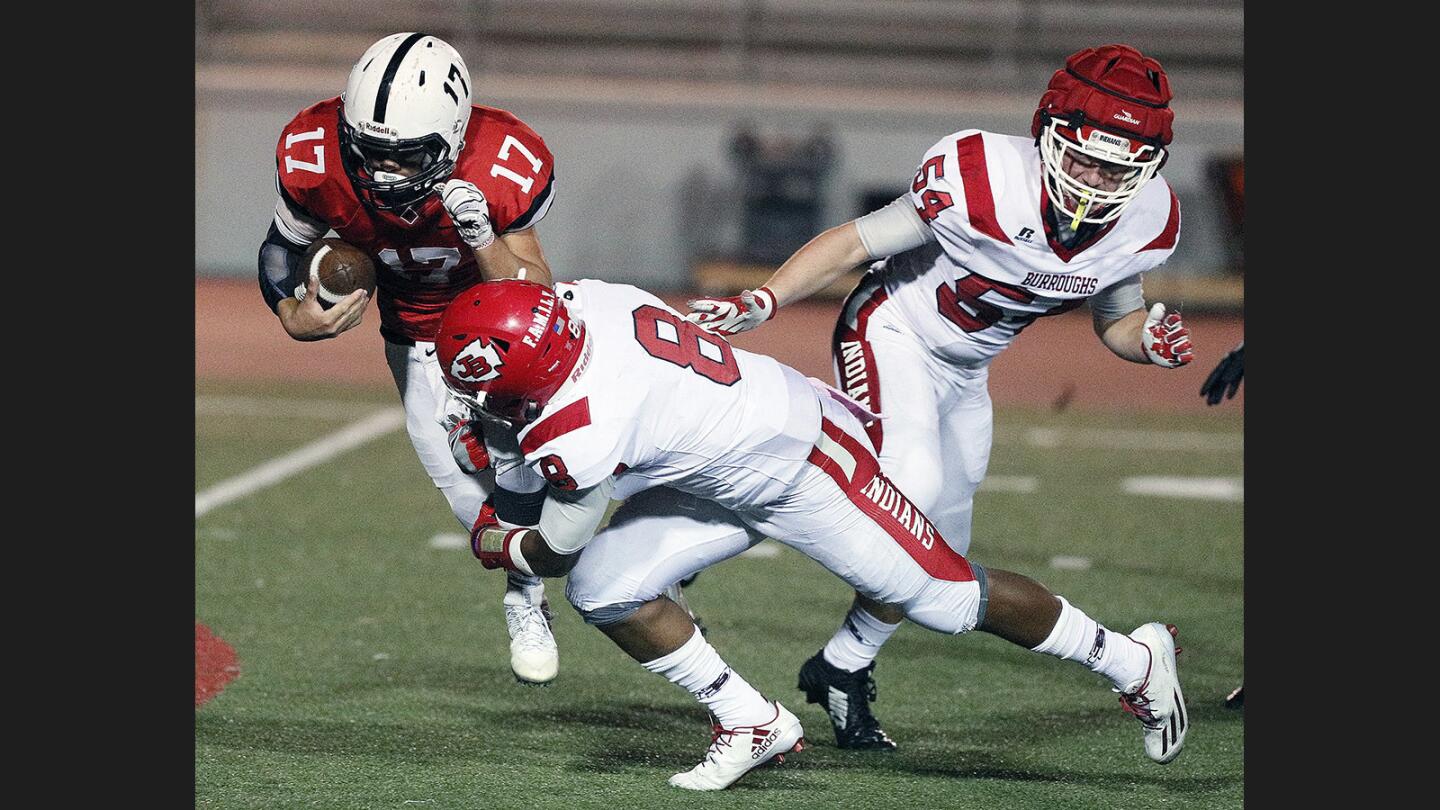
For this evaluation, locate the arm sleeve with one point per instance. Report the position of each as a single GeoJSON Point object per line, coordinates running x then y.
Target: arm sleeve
{"type": "Point", "coordinates": [569, 518]}
{"type": "Point", "coordinates": [280, 267]}
{"type": "Point", "coordinates": [291, 231]}
{"type": "Point", "coordinates": [1118, 300]}
{"type": "Point", "coordinates": [511, 471]}
{"type": "Point", "coordinates": [893, 229]}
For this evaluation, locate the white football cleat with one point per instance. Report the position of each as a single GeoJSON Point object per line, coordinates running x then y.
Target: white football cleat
{"type": "Point", "coordinates": [534, 656]}
{"type": "Point", "coordinates": [735, 752]}
{"type": "Point", "coordinates": [1156, 700]}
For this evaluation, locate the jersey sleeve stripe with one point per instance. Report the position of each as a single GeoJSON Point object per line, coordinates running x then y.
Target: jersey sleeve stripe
{"type": "Point", "coordinates": [979, 201]}
{"type": "Point", "coordinates": [538, 208]}
{"type": "Point", "coordinates": [571, 417]}
{"type": "Point", "coordinates": [1166, 239]}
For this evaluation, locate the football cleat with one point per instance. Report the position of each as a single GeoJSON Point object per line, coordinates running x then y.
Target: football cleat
{"type": "Point", "coordinates": [534, 656]}
{"type": "Point", "coordinates": [1156, 700]}
{"type": "Point", "coordinates": [735, 752]}
{"type": "Point", "coordinates": [846, 697]}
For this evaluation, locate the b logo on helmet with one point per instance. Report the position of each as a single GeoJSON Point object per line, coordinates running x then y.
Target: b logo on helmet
{"type": "Point", "coordinates": [476, 363]}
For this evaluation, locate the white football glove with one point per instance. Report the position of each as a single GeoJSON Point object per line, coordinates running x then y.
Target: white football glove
{"type": "Point", "coordinates": [735, 314]}
{"type": "Point", "coordinates": [1165, 339]}
{"type": "Point", "coordinates": [467, 207]}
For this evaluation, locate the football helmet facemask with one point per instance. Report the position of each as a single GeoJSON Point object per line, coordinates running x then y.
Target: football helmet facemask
{"type": "Point", "coordinates": [407, 101]}
{"type": "Point", "coordinates": [505, 347]}
{"type": "Point", "coordinates": [1110, 104]}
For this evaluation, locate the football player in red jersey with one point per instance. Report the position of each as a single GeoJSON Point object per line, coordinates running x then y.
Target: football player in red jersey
{"type": "Point", "coordinates": [993, 232]}
{"type": "Point", "coordinates": [442, 194]}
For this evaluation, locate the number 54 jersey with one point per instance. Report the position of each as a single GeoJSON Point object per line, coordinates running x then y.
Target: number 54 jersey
{"type": "Point", "coordinates": [422, 263]}
{"type": "Point", "coordinates": [656, 400]}
{"type": "Point", "coordinates": [996, 264]}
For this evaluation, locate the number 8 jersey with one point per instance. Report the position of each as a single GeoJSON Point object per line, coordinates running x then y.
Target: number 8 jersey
{"type": "Point", "coordinates": [656, 400]}
{"type": "Point", "coordinates": [996, 263]}
{"type": "Point", "coordinates": [422, 263]}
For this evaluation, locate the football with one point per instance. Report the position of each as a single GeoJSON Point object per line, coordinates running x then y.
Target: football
{"type": "Point", "coordinates": [342, 268]}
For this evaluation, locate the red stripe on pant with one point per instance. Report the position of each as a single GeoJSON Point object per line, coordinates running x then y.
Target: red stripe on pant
{"type": "Point", "coordinates": [888, 507]}
{"type": "Point", "coordinates": [866, 373]}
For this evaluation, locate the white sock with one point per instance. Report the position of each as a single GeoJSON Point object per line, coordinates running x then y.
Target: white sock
{"type": "Point", "coordinates": [1077, 637]}
{"type": "Point", "coordinates": [524, 586]}
{"type": "Point", "coordinates": [858, 640]}
{"type": "Point", "coordinates": [699, 670]}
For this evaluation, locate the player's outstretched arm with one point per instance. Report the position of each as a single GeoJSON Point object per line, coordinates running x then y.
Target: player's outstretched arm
{"type": "Point", "coordinates": [1122, 335]}
{"type": "Point", "coordinates": [1154, 338]}
{"type": "Point", "coordinates": [812, 268]}
{"type": "Point", "coordinates": [514, 255]}
{"type": "Point", "coordinates": [568, 520]}
{"type": "Point", "coordinates": [893, 229]}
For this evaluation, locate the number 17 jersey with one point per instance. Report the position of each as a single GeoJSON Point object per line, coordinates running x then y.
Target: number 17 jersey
{"type": "Point", "coordinates": [422, 264]}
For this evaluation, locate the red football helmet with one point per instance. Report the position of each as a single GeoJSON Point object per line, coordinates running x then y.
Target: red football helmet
{"type": "Point", "coordinates": [506, 346]}
{"type": "Point", "coordinates": [1111, 104]}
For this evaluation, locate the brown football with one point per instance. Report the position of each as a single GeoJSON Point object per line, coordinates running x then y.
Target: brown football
{"type": "Point", "coordinates": [342, 268]}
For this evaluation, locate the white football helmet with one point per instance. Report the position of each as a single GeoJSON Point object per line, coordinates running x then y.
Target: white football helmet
{"type": "Point", "coordinates": [407, 100]}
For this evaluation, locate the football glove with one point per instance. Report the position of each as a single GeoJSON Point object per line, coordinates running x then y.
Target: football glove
{"type": "Point", "coordinates": [1165, 339]}
{"type": "Point", "coordinates": [490, 540]}
{"type": "Point", "coordinates": [735, 314]}
{"type": "Point", "coordinates": [467, 207]}
{"type": "Point", "coordinates": [1228, 372]}
{"type": "Point", "coordinates": [467, 445]}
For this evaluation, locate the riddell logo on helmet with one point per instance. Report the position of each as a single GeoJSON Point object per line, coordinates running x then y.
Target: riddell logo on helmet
{"type": "Point", "coordinates": [1124, 115]}
{"type": "Point", "coordinates": [379, 129]}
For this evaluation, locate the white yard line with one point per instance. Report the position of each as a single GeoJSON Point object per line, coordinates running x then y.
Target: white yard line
{"type": "Point", "coordinates": [317, 452]}
{"type": "Point", "coordinates": [1125, 439]}
{"type": "Point", "coordinates": [450, 540]}
{"type": "Point", "coordinates": [1208, 489]}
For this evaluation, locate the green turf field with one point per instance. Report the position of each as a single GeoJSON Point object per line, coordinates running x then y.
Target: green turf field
{"type": "Point", "coordinates": [374, 667]}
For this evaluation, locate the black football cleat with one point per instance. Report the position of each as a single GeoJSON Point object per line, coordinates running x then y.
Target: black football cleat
{"type": "Point", "coordinates": [846, 697]}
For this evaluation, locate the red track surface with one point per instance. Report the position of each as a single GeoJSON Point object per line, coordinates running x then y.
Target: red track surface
{"type": "Point", "coordinates": [237, 338]}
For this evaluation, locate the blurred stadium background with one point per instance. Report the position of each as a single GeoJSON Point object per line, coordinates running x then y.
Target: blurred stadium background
{"type": "Point", "coordinates": [696, 145]}
{"type": "Point", "coordinates": [641, 101]}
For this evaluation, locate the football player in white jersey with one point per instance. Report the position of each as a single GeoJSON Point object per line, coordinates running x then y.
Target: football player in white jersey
{"type": "Point", "coordinates": [615, 395]}
{"type": "Point", "coordinates": [994, 232]}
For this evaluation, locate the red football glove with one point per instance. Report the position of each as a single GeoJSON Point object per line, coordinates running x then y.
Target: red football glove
{"type": "Point", "coordinates": [1165, 339]}
{"type": "Point", "coordinates": [490, 542]}
{"type": "Point", "coordinates": [467, 444]}
{"type": "Point", "coordinates": [733, 315]}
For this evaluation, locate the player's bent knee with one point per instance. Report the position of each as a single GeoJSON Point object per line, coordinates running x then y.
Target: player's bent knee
{"type": "Point", "coordinates": [921, 477]}
{"type": "Point", "coordinates": [609, 614]}
{"type": "Point", "coordinates": [952, 607]}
